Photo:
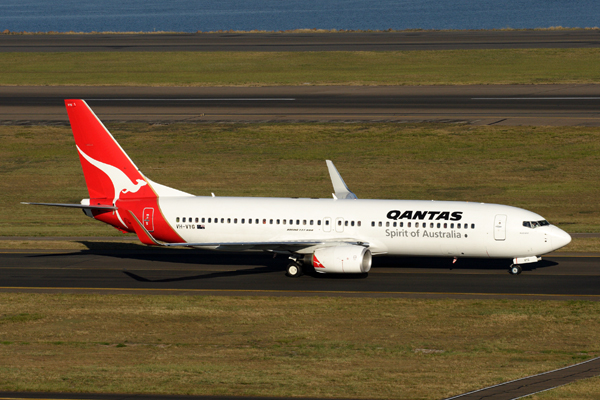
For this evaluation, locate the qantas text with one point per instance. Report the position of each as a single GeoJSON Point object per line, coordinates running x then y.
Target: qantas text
{"type": "Point", "coordinates": [432, 215]}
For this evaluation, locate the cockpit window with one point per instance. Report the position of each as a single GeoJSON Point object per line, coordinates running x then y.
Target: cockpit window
{"type": "Point", "coordinates": [535, 224]}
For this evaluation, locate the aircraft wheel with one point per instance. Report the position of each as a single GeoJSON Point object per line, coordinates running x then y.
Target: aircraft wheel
{"type": "Point", "coordinates": [294, 270]}
{"type": "Point", "coordinates": [515, 269]}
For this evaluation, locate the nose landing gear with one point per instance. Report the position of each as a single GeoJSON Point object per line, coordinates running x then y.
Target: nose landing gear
{"type": "Point", "coordinates": [515, 269]}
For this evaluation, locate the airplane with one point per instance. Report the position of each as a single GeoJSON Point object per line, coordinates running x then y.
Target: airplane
{"type": "Point", "coordinates": [336, 235]}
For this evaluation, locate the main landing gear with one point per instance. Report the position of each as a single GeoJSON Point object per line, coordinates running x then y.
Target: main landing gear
{"type": "Point", "coordinates": [298, 265]}
{"type": "Point", "coordinates": [294, 269]}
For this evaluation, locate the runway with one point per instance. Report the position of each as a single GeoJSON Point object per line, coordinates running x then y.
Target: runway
{"type": "Point", "coordinates": [304, 41]}
{"type": "Point", "coordinates": [132, 268]}
{"type": "Point", "coordinates": [557, 105]}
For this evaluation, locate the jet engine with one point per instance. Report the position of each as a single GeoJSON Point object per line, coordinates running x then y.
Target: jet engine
{"type": "Point", "coordinates": [349, 259]}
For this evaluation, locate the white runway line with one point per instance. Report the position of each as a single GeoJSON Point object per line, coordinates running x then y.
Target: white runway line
{"type": "Point", "coordinates": [535, 98]}
{"type": "Point", "coordinates": [202, 99]}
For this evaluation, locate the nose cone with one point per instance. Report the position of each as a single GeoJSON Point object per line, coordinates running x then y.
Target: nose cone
{"type": "Point", "coordinates": [559, 238]}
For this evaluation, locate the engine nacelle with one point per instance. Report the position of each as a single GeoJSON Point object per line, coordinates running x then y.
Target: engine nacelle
{"type": "Point", "coordinates": [347, 259]}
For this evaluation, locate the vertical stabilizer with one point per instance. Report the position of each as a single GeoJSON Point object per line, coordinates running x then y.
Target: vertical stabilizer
{"type": "Point", "coordinates": [109, 173]}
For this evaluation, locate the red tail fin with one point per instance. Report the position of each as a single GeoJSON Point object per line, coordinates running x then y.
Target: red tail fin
{"type": "Point", "coordinates": [109, 173]}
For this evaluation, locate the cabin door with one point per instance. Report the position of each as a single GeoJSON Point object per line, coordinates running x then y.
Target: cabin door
{"type": "Point", "coordinates": [500, 227]}
{"type": "Point", "coordinates": [148, 219]}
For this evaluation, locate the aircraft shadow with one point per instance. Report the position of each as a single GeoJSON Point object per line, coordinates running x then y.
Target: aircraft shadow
{"type": "Point", "coordinates": [134, 251]}
{"type": "Point", "coordinates": [266, 263]}
{"type": "Point", "coordinates": [445, 263]}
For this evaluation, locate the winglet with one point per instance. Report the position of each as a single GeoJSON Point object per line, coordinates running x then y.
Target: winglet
{"type": "Point", "coordinates": [142, 233]}
{"type": "Point", "coordinates": [339, 186]}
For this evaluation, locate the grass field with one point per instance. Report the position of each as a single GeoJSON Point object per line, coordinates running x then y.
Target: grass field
{"type": "Point", "coordinates": [453, 67]}
{"type": "Point", "coordinates": [331, 347]}
{"type": "Point", "coordinates": [552, 171]}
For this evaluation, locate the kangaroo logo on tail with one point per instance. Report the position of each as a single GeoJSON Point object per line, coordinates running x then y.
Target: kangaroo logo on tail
{"type": "Point", "coordinates": [121, 182]}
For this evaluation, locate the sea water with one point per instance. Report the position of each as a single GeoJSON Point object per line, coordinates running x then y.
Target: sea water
{"type": "Point", "coordinates": [280, 15]}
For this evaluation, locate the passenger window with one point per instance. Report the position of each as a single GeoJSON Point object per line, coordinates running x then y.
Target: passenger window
{"type": "Point", "coordinates": [319, 222]}
{"type": "Point", "coordinates": [228, 220]}
{"type": "Point", "coordinates": [183, 220]}
{"type": "Point", "coordinates": [249, 220]}
{"type": "Point", "coordinates": [372, 223]}
{"type": "Point", "coordinates": [394, 224]}
{"type": "Point", "coordinates": [458, 226]}
{"type": "Point", "coordinates": [345, 223]}
{"type": "Point", "coordinates": [297, 222]}
{"type": "Point", "coordinates": [271, 222]}
{"type": "Point", "coordinates": [451, 226]}
{"type": "Point", "coordinates": [278, 221]}
{"type": "Point", "coordinates": [304, 222]}
{"type": "Point", "coordinates": [203, 220]}
{"type": "Point", "coordinates": [352, 224]}
{"type": "Point", "coordinates": [327, 222]}
{"type": "Point", "coordinates": [177, 219]}
{"type": "Point", "coordinates": [408, 224]}
{"type": "Point", "coordinates": [222, 220]}
{"type": "Point", "coordinates": [358, 223]}
{"type": "Point", "coordinates": [235, 220]}
{"type": "Point", "coordinates": [387, 224]}
{"type": "Point", "coordinates": [339, 223]}
{"type": "Point", "coordinates": [284, 221]}
{"type": "Point", "coordinates": [264, 221]}
{"type": "Point", "coordinates": [380, 225]}
{"type": "Point", "coordinates": [445, 225]}
{"type": "Point", "coordinates": [209, 220]}
{"type": "Point", "coordinates": [439, 225]}
{"type": "Point", "coordinates": [256, 220]}
{"type": "Point", "coordinates": [311, 221]}
{"type": "Point", "coordinates": [243, 220]}
{"type": "Point", "coordinates": [216, 220]}
{"type": "Point", "coordinates": [196, 219]}
{"type": "Point", "coordinates": [401, 224]}
{"type": "Point", "coordinates": [416, 224]}
{"type": "Point", "coordinates": [291, 222]}
{"type": "Point", "coordinates": [472, 226]}
{"type": "Point", "coordinates": [466, 226]}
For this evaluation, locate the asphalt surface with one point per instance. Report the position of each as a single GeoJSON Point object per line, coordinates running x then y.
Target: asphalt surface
{"type": "Point", "coordinates": [535, 384]}
{"type": "Point", "coordinates": [347, 41]}
{"type": "Point", "coordinates": [132, 268]}
{"type": "Point", "coordinates": [557, 105]}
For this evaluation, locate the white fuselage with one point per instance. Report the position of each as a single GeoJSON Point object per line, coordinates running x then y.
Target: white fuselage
{"type": "Point", "coordinates": [395, 227]}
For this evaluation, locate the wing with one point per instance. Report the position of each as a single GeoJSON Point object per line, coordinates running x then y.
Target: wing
{"type": "Point", "coordinates": [294, 246]}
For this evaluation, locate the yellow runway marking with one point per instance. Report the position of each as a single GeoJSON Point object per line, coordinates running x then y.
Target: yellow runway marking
{"type": "Point", "coordinates": [297, 291]}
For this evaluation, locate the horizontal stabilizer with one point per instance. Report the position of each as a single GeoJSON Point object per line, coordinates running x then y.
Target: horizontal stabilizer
{"type": "Point", "coordinates": [83, 206]}
{"type": "Point", "coordinates": [339, 186]}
